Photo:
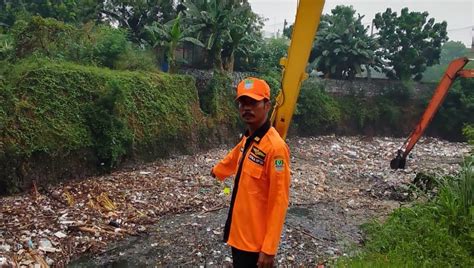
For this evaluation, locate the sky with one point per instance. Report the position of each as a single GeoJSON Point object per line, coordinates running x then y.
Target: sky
{"type": "Point", "coordinates": [459, 14]}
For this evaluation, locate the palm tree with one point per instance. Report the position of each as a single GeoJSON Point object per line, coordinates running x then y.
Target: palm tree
{"type": "Point", "coordinates": [170, 35]}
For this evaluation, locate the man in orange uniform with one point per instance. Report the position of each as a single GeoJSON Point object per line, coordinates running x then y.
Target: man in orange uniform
{"type": "Point", "coordinates": [260, 163]}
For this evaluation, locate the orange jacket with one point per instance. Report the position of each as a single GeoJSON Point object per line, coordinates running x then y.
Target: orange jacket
{"type": "Point", "coordinates": [261, 191]}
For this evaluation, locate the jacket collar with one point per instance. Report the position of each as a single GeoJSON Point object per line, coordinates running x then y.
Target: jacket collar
{"type": "Point", "coordinates": [259, 133]}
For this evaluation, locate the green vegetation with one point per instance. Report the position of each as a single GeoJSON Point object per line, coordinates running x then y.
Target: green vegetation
{"type": "Point", "coordinates": [317, 112]}
{"type": "Point", "coordinates": [456, 110]}
{"type": "Point", "coordinates": [409, 42]}
{"type": "Point", "coordinates": [225, 25]}
{"type": "Point", "coordinates": [342, 45]}
{"type": "Point", "coordinates": [170, 35]}
{"type": "Point", "coordinates": [58, 54]}
{"type": "Point", "coordinates": [438, 233]}
{"type": "Point", "coordinates": [468, 131]}
{"type": "Point", "coordinates": [78, 91]}
{"type": "Point", "coordinates": [57, 108]}
{"type": "Point", "coordinates": [449, 51]}
{"type": "Point", "coordinates": [99, 45]}
{"type": "Point", "coordinates": [385, 114]}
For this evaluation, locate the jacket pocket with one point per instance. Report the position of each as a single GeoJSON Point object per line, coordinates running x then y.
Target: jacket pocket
{"type": "Point", "coordinates": [255, 182]}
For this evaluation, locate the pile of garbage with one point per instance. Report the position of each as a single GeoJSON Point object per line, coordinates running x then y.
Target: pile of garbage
{"type": "Point", "coordinates": [49, 226]}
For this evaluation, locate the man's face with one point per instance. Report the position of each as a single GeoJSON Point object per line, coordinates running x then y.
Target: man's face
{"type": "Point", "coordinates": [253, 112]}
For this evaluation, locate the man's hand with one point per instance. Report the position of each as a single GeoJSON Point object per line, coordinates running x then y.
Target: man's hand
{"type": "Point", "coordinates": [265, 261]}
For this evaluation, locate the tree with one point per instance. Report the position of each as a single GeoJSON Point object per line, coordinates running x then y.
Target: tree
{"type": "Point", "coordinates": [135, 15]}
{"type": "Point", "coordinates": [452, 50]}
{"type": "Point", "coordinates": [270, 54]}
{"type": "Point", "coordinates": [449, 51]}
{"type": "Point", "coordinates": [244, 24]}
{"type": "Point", "coordinates": [287, 31]}
{"type": "Point", "coordinates": [342, 44]}
{"type": "Point", "coordinates": [226, 23]}
{"type": "Point", "coordinates": [170, 35]}
{"type": "Point", "coordinates": [70, 11]}
{"type": "Point", "coordinates": [214, 15]}
{"type": "Point", "coordinates": [409, 42]}
{"type": "Point", "coordinates": [248, 52]}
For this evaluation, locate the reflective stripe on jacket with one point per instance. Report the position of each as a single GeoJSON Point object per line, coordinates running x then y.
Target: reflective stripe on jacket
{"type": "Point", "coordinates": [261, 190]}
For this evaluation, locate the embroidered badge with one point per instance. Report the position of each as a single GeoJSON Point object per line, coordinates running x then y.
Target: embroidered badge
{"type": "Point", "coordinates": [279, 164]}
{"type": "Point", "coordinates": [258, 153]}
{"type": "Point", "coordinates": [248, 84]}
{"type": "Point", "coordinates": [256, 159]}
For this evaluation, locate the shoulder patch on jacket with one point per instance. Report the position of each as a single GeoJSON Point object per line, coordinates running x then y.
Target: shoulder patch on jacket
{"type": "Point", "coordinates": [279, 164]}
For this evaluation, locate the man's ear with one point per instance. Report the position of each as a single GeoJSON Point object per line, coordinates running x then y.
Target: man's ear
{"type": "Point", "coordinates": [268, 104]}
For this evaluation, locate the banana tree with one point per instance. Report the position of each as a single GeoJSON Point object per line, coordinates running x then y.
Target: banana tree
{"type": "Point", "coordinates": [171, 35]}
{"type": "Point", "coordinates": [243, 25]}
{"type": "Point", "coordinates": [215, 16]}
{"type": "Point", "coordinates": [342, 45]}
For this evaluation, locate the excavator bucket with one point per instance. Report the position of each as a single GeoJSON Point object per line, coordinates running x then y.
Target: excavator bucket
{"type": "Point", "coordinates": [398, 161]}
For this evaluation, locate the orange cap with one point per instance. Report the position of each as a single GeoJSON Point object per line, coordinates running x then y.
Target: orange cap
{"type": "Point", "coordinates": [254, 88]}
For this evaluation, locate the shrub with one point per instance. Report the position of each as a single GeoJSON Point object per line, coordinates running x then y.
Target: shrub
{"type": "Point", "coordinates": [44, 36]}
{"type": "Point", "coordinates": [111, 136]}
{"type": "Point", "coordinates": [7, 47]}
{"type": "Point", "coordinates": [135, 59]}
{"type": "Point", "coordinates": [274, 81]}
{"type": "Point", "coordinates": [468, 132]}
{"type": "Point", "coordinates": [99, 45]}
{"type": "Point", "coordinates": [456, 110]}
{"type": "Point", "coordinates": [108, 44]}
{"type": "Point", "coordinates": [317, 112]}
{"type": "Point", "coordinates": [433, 234]}
{"type": "Point", "coordinates": [217, 92]}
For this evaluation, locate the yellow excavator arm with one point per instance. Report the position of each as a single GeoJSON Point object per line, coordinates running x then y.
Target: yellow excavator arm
{"type": "Point", "coordinates": [307, 20]}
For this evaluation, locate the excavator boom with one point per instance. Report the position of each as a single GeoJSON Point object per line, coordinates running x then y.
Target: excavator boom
{"type": "Point", "coordinates": [455, 69]}
{"type": "Point", "coordinates": [307, 20]}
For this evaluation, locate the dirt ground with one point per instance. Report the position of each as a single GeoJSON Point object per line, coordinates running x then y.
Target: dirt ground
{"type": "Point", "coordinates": [171, 213]}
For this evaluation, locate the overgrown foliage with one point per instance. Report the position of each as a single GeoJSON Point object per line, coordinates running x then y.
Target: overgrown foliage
{"type": "Point", "coordinates": [70, 11]}
{"type": "Point", "coordinates": [267, 58]}
{"type": "Point", "coordinates": [134, 16]}
{"type": "Point", "coordinates": [385, 114]}
{"type": "Point", "coordinates": [217, 97]}
{"type": "Point", "coordinates": [317, 112]}
{"type": "Point", "coordinates": [468, 131]}
{"type": "Point", "coordinates": [111, 137]}
{"type": "Point", "coordinates": [58, 108]}
{"type": "Point", "coordinates": [456, 110]}
{"type": "Point", "coordinates": [432, 234]}
{"type": "Point", "coordinates": [46, 36]}
{"type": "Point", "coordinates": [89, 45]}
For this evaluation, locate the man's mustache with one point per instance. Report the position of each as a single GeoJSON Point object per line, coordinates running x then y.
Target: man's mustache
{"type": "Point", "coordinates": [247, 113]}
